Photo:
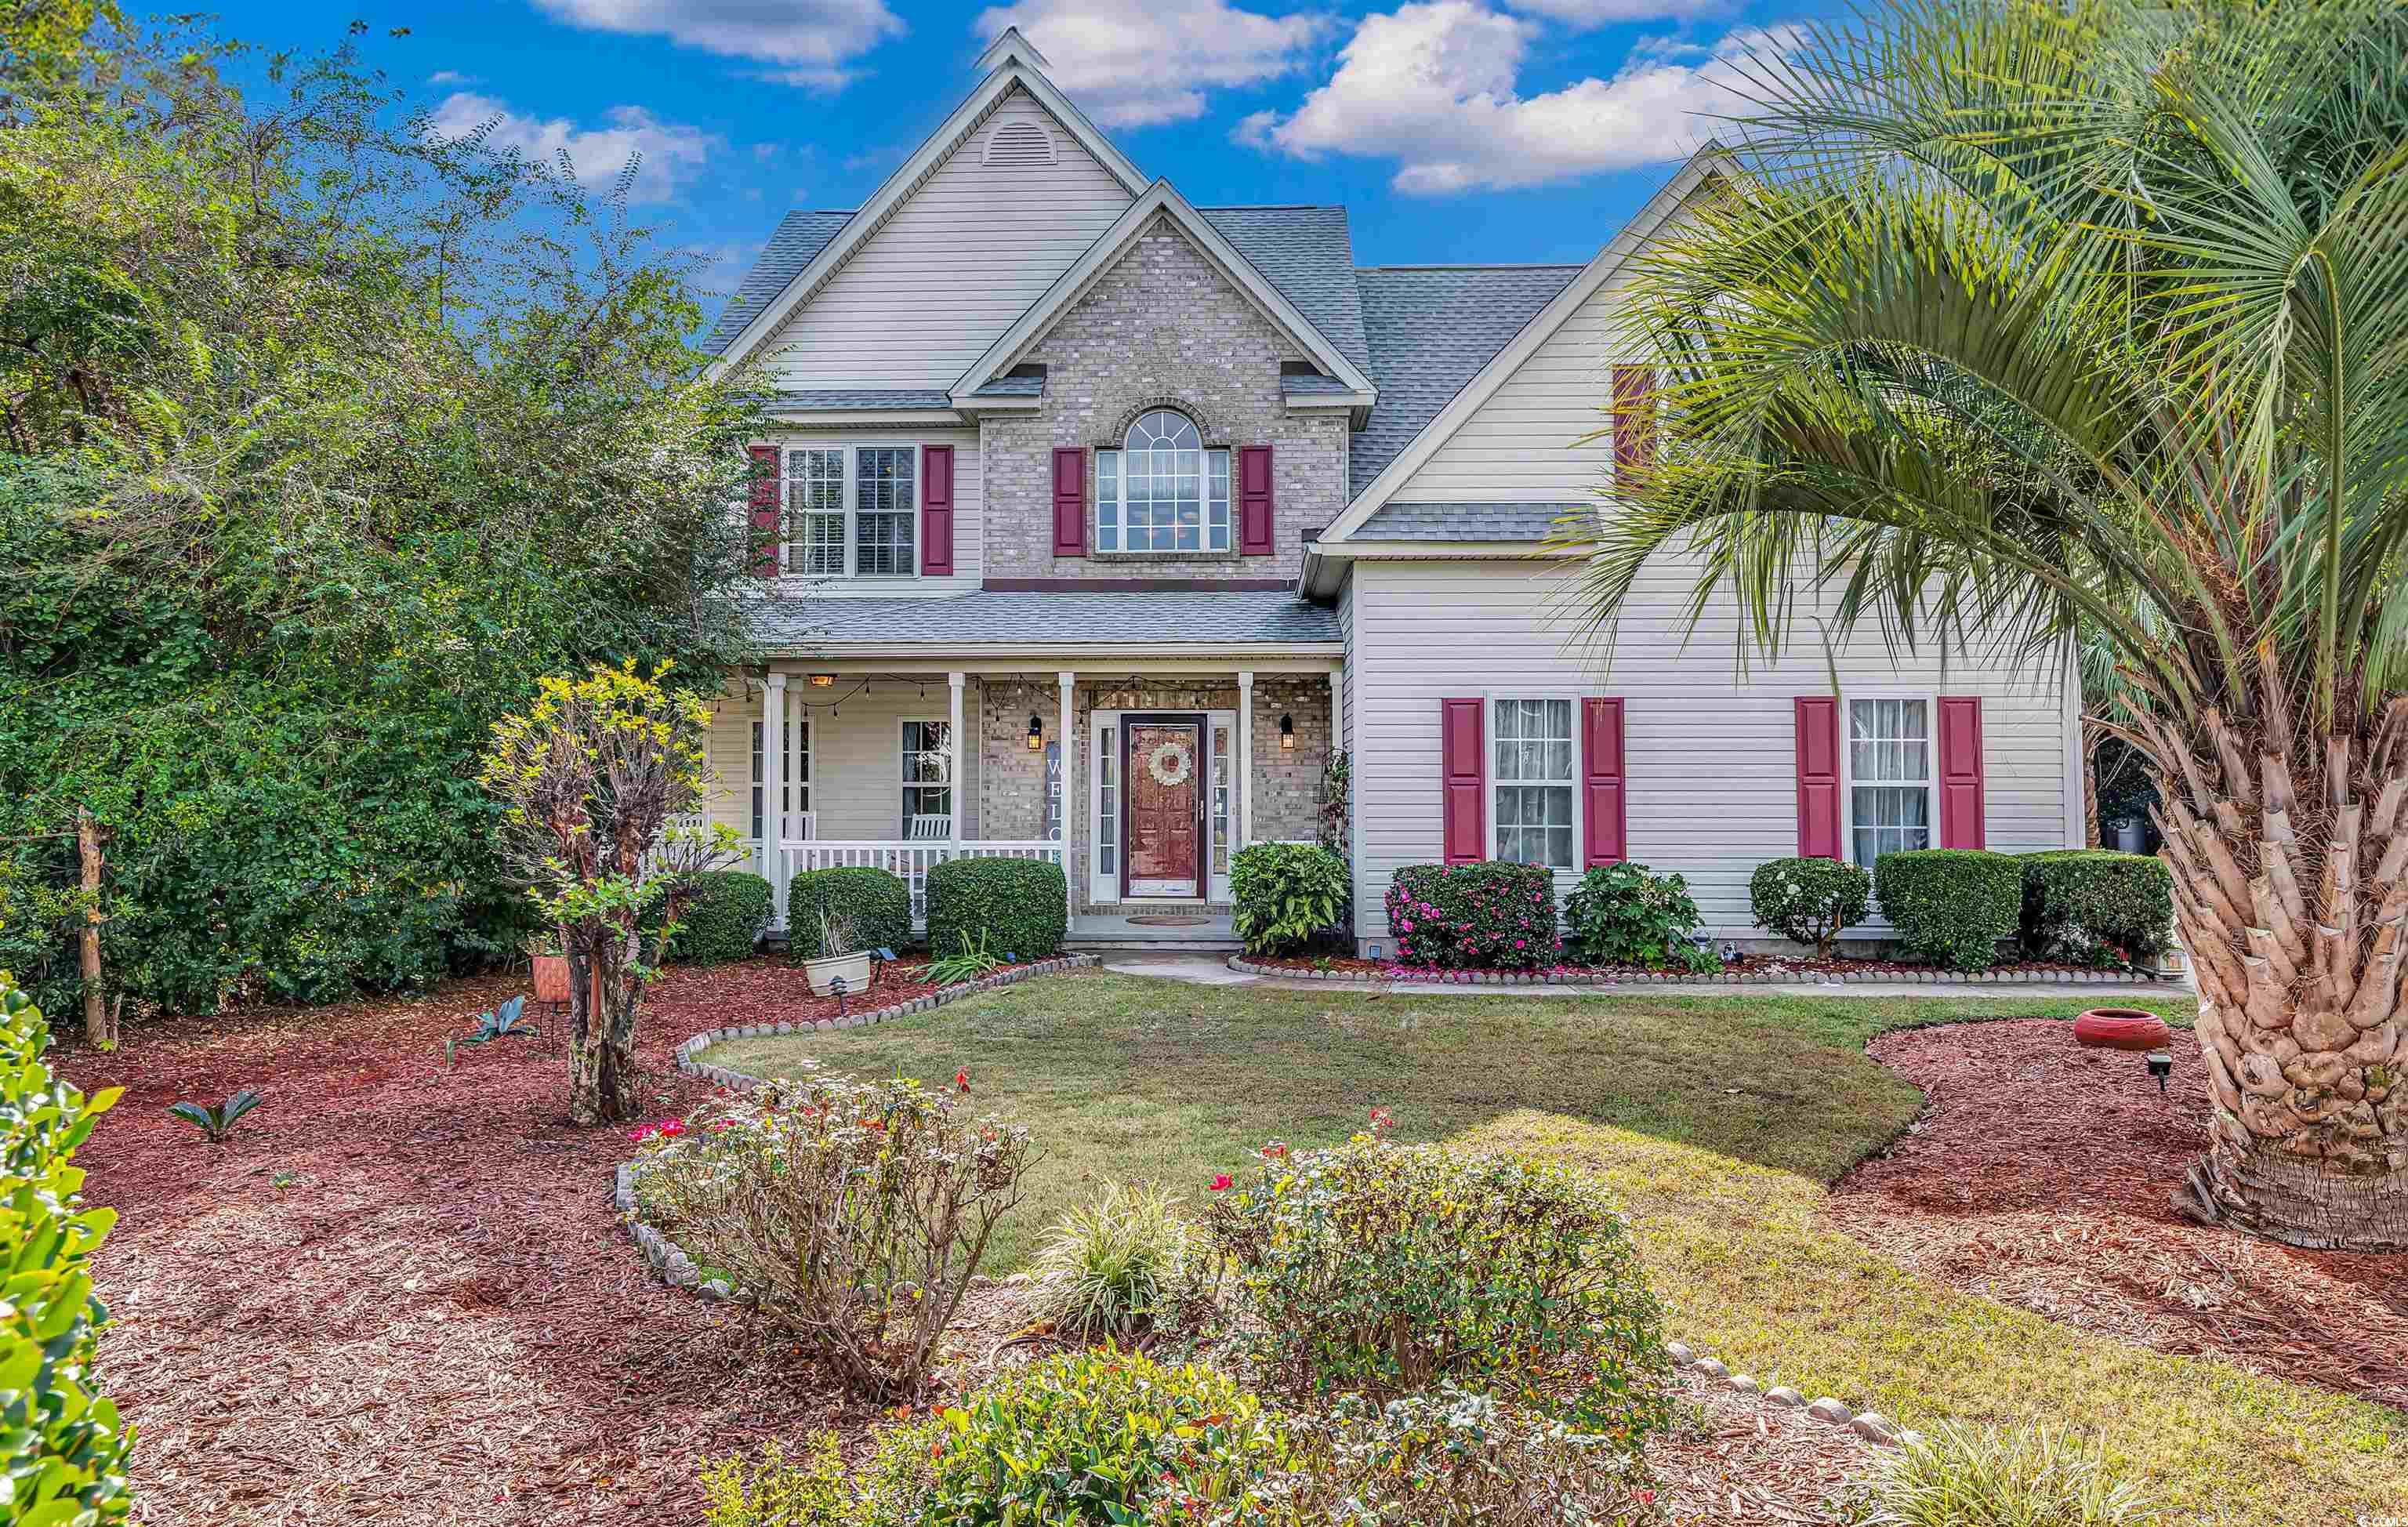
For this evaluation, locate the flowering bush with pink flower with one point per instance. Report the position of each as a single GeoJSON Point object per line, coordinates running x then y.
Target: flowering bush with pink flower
{"type": "Point", "coordinates": [853, 1214]}
{"type": "Point", "coordinates": [1490, 915]}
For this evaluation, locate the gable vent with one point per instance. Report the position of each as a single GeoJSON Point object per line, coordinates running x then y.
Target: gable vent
{"type": "Point", "coordinates": [1017, 143]}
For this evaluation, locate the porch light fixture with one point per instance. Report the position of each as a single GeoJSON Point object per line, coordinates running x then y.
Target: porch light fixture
{"type": "Point", "coordinates": [822, 681]}
{"type": "Point", "coordinates": [1036, 732]}
{"type": "Point", "coordinates": [1288, 733]}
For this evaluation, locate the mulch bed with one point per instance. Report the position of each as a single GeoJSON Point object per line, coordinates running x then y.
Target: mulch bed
{"type": "Point", "coordinates": [2041, 1175]}
{"type": "Point", "coordinates": [1797, 967]}
{"type": "Point", "coordinates": [399, 1295]}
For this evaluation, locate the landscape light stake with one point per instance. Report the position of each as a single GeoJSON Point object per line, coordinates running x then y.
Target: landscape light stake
{"type": "Point", "coordinates": [2161, 1065]}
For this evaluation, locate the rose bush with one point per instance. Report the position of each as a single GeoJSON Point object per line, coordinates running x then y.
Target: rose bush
{"type": "Point", "coordinates": [1489, 916]}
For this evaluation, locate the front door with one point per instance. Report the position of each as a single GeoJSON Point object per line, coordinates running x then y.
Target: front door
{"type": "Point", "coordinates": [1162, 762]}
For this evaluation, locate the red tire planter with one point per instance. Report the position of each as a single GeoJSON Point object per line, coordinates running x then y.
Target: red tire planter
{"type": "Point", "coordinates": [2121, 1029]}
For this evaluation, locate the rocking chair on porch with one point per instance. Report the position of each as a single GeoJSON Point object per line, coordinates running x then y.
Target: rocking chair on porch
{"type": "Point", "coordinates": [926, 830]}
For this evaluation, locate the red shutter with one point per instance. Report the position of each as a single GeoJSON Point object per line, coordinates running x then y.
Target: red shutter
{"type": "Point", "coordinates": [1254, 500]}
{"type": "Point", "coordinates": [1069, 500]}
{"type": "Point", "coordinates": [937, 511]}
{"type": "Point", "coordinates": [763, 502]}
{"type": "Point", "coordinates": [1605, 808]}
{"type": "Point", "coordinates": [1464, 768]}
{"type": "Point", "coordinates": [1818, 777]}
{"type": "Point", "coordinates": [1634, 418]}
{"type": "Point", "coordinates": [1960, 772]}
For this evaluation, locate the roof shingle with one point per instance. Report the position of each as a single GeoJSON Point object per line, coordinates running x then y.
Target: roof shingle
{"type": "Point", "coordinates": [1463, 522]}
{"type": "Point", "coordinates": [1309, 255]}
{"type": "Point", "coordinates": [1216, 618]}
{"type": "Point", "coordinates": [800, 237]}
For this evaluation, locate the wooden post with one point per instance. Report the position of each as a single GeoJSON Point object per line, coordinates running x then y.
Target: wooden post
{"type": "Point", "coordinates": [97, 1029]}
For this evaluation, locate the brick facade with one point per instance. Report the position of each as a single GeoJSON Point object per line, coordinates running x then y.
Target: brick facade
{"type": "Point", "coordinates": [1161, 329]}
{"type": "Point", "coordinates": [1011, 779]}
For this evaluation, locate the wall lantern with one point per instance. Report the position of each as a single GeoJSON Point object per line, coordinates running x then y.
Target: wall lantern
{"type": "Point", "coordinates": [1288, 733]}
{"type": "Point", "coordinates": [822, 681]}
{"type": "Point", "coordinates": [1036, 732]}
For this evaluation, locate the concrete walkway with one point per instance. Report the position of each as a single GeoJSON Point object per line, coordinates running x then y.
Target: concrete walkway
{"type": "Point", "coordinates": [1202, 970]}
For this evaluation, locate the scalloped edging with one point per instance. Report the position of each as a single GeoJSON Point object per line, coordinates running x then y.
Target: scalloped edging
{"type": "Point", "coordinates": [1682, 978]}
{"type": "Point", "coordinates": [1871, 1425]}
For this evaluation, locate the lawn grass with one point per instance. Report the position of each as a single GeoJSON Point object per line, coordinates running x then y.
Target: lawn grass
{"type": "Point", "coordinates": [1718, 1120]}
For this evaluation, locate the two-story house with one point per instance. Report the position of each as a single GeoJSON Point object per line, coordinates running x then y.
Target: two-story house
{"type": "Point", "coordinates": [1119, 514]}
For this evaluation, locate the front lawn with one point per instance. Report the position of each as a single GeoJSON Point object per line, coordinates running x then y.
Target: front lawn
{"type": "Point", "coordinates": [1718, 1120]}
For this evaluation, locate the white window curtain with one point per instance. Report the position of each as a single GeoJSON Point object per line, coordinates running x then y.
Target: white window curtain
{"type": "Point", "coordinates": [1162, 491]}
{"type": "Point", "coordinates": [853, 511]}
{"type": "Point", "coordinates": [1532, 783]}
{"type": "Point", "coordinates": [1889, 777]}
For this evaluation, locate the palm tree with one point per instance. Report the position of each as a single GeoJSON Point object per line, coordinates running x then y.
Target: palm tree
{"type": "Point", "coordinates": [2019, 320]}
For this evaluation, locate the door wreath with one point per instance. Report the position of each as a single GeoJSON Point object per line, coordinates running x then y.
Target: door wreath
{"type": "Point", "coordinates": [1170, 763]}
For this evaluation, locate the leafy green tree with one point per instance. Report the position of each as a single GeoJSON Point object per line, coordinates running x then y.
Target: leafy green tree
{"type": "Point", "coordinates": [2023, 321]}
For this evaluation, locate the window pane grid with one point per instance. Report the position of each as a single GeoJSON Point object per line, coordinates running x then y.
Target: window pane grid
{"type": "Point", "coordinates": [1533, 772]}
{"type": "Point", "coordinates": [1107, 815]}
{"type": "Point", "coordinates": [882, 504]}
{"type": "Point", "coordinates": [1889, 771]}
{"type": "Point", "coordinates": [927, 771]}
{"type": "Point", "coordinates": [1162, 491]}
{"type": "Point", "coordinates": [815, 513]}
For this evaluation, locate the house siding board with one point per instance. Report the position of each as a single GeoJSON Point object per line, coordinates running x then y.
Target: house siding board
{"type": "Point", "coordinates": [952, 267]}
{"type": "Point", "coordinates": [1710, 758]}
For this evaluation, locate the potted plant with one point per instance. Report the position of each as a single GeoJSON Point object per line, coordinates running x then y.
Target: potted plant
{"type": "Point", "coordinates": [551, 968]}
{"type": "Point", "coordinates": [837, 959]}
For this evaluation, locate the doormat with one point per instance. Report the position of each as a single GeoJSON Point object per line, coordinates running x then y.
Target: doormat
{"type": "Point", "coordinates": [1165, 919]}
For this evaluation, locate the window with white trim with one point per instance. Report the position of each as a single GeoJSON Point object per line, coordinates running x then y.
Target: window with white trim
{"type": "Point", "coordinates": [927, 773]}
{"type": "Point", "coordinates": [795, 785]}
{"type": "Point", "coordinates": [1531, 781]}
{"type": "Point", "coordinates": [852, 511]}
{"type": "Point", "coordinates": [1889, 777]}
{"type": "Point", "coordinates": [1162, 491]}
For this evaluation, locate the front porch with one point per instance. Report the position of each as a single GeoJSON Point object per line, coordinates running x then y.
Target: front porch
{"type": "Point", "coordinates": [1169, 770]}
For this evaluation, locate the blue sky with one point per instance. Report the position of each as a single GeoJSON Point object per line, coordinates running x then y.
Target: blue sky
{"type": "Point", "coordinates": [1451, 130]}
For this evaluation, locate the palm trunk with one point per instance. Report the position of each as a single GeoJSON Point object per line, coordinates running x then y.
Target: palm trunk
{"type": "Point", "coordinates": [2291, 889]}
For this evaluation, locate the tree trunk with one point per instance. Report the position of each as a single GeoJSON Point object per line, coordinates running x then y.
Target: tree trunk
{"type": "Point", "coordinates": [2090, 836]}
{"type": "Point", "coordinates": [602, 1000]}
{"type": "Point", "coordinates": [99, 1020]}
{"type": "Point", "coordinates": [2292, 890]}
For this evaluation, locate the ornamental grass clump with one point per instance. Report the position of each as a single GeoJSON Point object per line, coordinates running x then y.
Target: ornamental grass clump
{"type": "Point", "coordinates": [853, 1212]}
{"type": "Point", "coordinates": [2042, 1477]}
{"type": "Point", "coordinates": [1381, 1270]}
{"type": "Point", "coordinates": [1113, 1268]}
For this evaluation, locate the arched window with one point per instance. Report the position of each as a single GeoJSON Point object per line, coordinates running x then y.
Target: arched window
{"type": "Point", "coordinates": [1162, 491]}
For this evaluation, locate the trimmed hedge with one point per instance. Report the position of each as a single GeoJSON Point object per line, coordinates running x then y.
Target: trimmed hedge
{"type": "Point", "coordinates": [725, 914]}
{"type": "Point", "coordinates": [1020, 905]}
{"type": "Point", "coordinates": [65, 1441]}
{"type": "Point", "coordinates": [1951, 905]}
{"type": "Point", "coordinates": [1287, 894]}
{"type": "Point", "coordinates": [2075, 899]}
{"type": "Point", "coordinates": [1810, 901]}
{"type": "Point", "coordinates": [879, 904]}
{"type": "Point", "coordinates": [1489, 916]}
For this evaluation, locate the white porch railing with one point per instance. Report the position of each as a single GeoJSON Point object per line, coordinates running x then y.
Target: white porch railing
{"type": "Point", "coordinates": [908, 861]}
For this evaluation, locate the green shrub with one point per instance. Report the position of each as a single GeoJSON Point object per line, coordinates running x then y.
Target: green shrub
{"type": "Point", "coordinates": [815, 1489]}
{"type": "Point", "coordinates": [1957, 1476]}
{"type": "Point", "coordinates": [1951, 905]}
{"type": "Point", "coordinates": [2076, 899]}
{"type": "Point", "coordinates": [1021, 905]}
{"type": "Point", "coordinates": [1113, 1267]}
{"type": "Point", "coordinates": [1096, 1437]}
{"type": "Point", "coordinates": [1491, 915]}
{"type": "Point", "coordinates": [878, 904]}
{"type": "Point", "coordinates": [1383, 1269]}
{"type": "Point", "coordinates": [724, 916]}
{"type": "Point", "coordinates": [1287, 894]}
{"type": "Point", "coordinates": [1623, 915]}
{"type": "Point", "coordinates": [65, 1444]}
{"type": "Point", "coordinates": [1810, 901]}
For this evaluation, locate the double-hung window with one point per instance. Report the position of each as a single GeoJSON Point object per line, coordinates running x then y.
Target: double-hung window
{"type": "Point", "coordinates": [1889, 777]}
{"type": "Point", "coordinates": [928, 775]}
{"type": "Point", "coordinates": [1531, 784]}
{"type": "Point", "coordinates": [1162, 491]}
{"type": "Point", "coordinates": [852, 511]}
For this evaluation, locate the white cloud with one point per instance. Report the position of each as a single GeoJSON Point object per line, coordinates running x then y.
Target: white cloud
{"type": "Point", "coordinates": [808, 42]}
{"type": "Point", "coordinates": [1136, 65]}
{"type": "Point", "coordinates": [442, 79]}
{"type": "Point", "coordinates": [667, 149]}
{"type": "Point", "coordinates": [1586, 13]}
{"type": "Point", "coordinates": [1431, 86]}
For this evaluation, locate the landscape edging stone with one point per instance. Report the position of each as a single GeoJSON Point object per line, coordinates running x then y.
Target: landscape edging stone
{"type": "Point", "coordinates": [1752, 978]}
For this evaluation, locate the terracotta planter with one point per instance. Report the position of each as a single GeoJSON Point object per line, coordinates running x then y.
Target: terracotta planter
{"type": "Point", "coordinates": [2121, 1029]}
{"type": "Point", "coordinates": [824, 972]}
{"type": "Point", "coordinates": [552, 978]}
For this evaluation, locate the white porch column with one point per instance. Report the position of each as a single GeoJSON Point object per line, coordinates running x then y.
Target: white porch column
{"type": "Point", "coordinates": [954, 756]}
{"type": "Point", "coordinates": [1337, 712]}
{"type": "Point", "coordinates": [773, 786]}
{"type": "Point", "coordinates": [1245, 833]}
{"type": "Point", "coordinates": [1071, 812]}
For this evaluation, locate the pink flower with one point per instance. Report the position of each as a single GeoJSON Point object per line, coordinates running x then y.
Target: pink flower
{"type": "Point", "coordinates": [670, 1127]}
{"type": "Point", "coordinates": [640, 1133]}
{"type": "Point", "coordinates": [1221, 1183]}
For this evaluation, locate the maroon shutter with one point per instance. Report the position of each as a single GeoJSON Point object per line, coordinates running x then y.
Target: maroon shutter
{"type": "Point", "coordinates": [1605, 808]}
{"type": "Point", "coordinates": [1960, 772]}
{"type": "Point", "coordinates": [1069, 500]}
{"type": "Point", "coordinates": [1818, 777]}
{"type": "Point", "coordinates": [763, 502]}
{"type": "Point", "coordinates": [937, 511]}
{"type": "Point", "coordinates": [1464, 768]}
{"type": "Point", "coordinates": [1634, 419]}
{"type": "Point", "coordinates": [1254, 500]}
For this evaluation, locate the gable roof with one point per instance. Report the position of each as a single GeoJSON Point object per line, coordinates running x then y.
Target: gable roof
{"type": "Point", "coordinates": [1431, 328]}
{"type": "Point", "coordinates": [1064, 618]}
{"type": "Point", "coordinates": [1463, 522]}
{"type": "Point", "coordinates": [799, 236]}
{"type": "Point", "coordinates": [1309, 254]}
{"type": "Point", "coordinates": [1163, 199]}
{"type": "Point", "coordinates": [1018, 67]}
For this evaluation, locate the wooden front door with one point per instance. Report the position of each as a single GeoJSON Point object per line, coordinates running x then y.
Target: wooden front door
{"type": "Point", "coordinates": [1163, 762]}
